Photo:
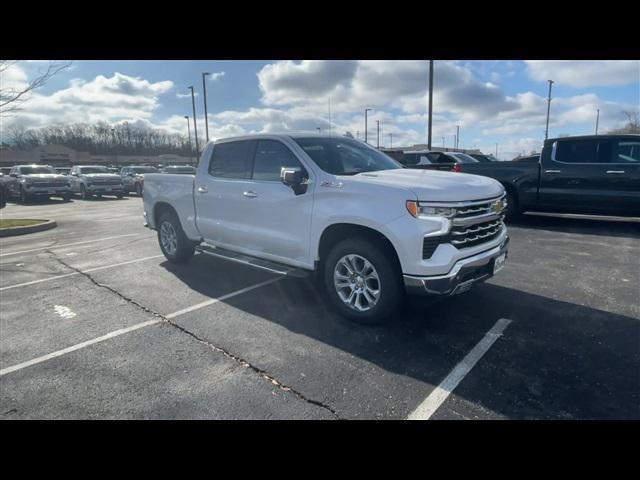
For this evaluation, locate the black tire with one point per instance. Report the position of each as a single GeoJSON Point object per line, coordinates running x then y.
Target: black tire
{"type": "Point", "coordinates": [184, 248]}
{"type": "Point", "coordinates": [513, 208]}
{"type": "Point", "coordinates": [389, 286]}
{"type": "Point", "coordinates": [139, 189]}
{"type": "Point", "coordinates": [66, 198]}
{"type": "Point", "coordinates": [119, 196]}
{"type": "Point", "coordinates": [83, 193]}
{"type": "Point", "coordinates": [98, 195]}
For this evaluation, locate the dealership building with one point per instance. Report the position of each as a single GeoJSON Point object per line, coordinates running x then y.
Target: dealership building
{"type": "Point", "coordinates": [61, 156]}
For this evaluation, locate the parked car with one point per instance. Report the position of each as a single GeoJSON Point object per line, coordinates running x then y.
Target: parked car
{"type": "Point", "coordinates": [63, 170]}
{"type": "Point", "coordinates": [132, 178]}
{"type": "Point", "coordinates": [29, 181]}
{"type": "Point", "coordinates": [90, 180]}
{"type": "Point", "coordinates": [435, 160]}
{"type": "Point", "coordinates": [5, 171]}
{"type": "Point", "coordinates": [4, 193]}
{"type": "Point", "coordinates": [370, 228]}
{"type": "Point", "coordinates": [588, 174]}
{"type": "Point", "coordinates": [179, 169]}
{"type": "Point", "coordinates": [528, 159]}
{"type": "Point", "coordinates": [482, 158]}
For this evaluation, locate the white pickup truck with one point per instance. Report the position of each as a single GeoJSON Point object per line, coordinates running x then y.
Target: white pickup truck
{"type": "Point", "coordinates": [370, 228]}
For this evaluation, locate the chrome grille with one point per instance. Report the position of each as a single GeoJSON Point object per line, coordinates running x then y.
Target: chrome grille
{"type": "Point", "coordinates": [49, 184]}
{"type": "Point", "coordinates": [464, 237]}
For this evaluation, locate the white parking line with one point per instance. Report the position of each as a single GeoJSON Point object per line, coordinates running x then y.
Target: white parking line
{"type": "Point", "coordinates": [95, 269]}
{"type": "Point", "coordinates": [429, 406]}
{"type": "Point", "coordinates": [69, 244]}
{"type": "Point", "coordinates": [122, 331]}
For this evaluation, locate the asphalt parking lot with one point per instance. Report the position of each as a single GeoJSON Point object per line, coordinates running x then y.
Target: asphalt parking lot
{"type": "Point", "coordinates": [97, 324]}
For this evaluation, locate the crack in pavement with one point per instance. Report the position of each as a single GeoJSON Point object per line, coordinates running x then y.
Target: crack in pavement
{"type": "Point", "coordinates": [241, 361]}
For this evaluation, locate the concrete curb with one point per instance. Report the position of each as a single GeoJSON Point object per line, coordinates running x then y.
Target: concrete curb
{"type": "Point", "coordinates": [39, 227]}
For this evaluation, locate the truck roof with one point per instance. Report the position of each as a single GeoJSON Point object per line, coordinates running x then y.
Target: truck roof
{"type": "Point", "coordinates": [282, 136]}
{"type": "Point", "coordinates": [632, 136]}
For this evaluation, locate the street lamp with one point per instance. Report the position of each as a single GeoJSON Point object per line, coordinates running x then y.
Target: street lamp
{"type": "Point", "coordinates": [195, 123]}
{"type": "Point", "coordinates": [189, 135]}
{"type": "Point", "coordinates": [391, 140]}
{"type": "Point", "coordinates": [365, 123]}
{"type": "Point", "coordinates": [546, 132]}
{"type": "Point", "coordinates": [457, 137]}
{"type": "Point", "coordinates": [378, 134]}
{"type": "Point", "coordinates": [430, 104]}
{"type": "Point", "coordinates": [597, 120]}
{"type": "Point", "coordinates": [319, 130]}
{"type": "Point", "coordinates": [113, 135]}
{"type": "Point", "coordinates": [204, 93]}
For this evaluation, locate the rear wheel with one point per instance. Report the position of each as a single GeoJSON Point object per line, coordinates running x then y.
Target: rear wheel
{"type": "Point", "coordinates": [175, 245]}
{"type": "Point", "coordinates": [361, 282]}
{"type": "Point", "coordinates": [513, 209]}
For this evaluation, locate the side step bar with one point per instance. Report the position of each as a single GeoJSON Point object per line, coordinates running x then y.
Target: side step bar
{"type": "Point", "coordinates": [273, 267]}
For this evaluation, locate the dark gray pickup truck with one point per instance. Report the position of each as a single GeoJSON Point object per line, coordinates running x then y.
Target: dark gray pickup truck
{"type": "Point", "coordinates": [597, 174]}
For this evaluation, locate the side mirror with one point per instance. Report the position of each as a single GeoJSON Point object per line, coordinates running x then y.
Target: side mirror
{"type": "Point", "coordinates": [292, 177]}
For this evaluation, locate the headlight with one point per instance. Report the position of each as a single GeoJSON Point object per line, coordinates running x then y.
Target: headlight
{"type": "Point", "coordinates": [417, 210]}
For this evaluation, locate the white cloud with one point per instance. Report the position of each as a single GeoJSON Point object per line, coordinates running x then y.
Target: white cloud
{"type": "Point", "coordinates": [104, 98]}
{"type": "Point", "coordinates": [581, 73]}
{"type": "Point", "coordinates": [216, 76]}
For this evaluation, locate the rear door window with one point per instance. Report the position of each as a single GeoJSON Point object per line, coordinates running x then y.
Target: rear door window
{"type": "Point", "coordinates": [584, 151]}
{"type": "Point", "coordinates": [232, 159]}
{"type": "Point", "coordinates": [626, 151]}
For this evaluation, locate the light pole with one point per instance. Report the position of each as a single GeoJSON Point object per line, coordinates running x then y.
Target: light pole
{"type": "Point", "coordinates": [365, 123]}
{"type": "Point", "coordinates": [443, 143]}
{"type": "Point", "coordinates": [319, 130]}
{"type": "Point", "coordinates": [457, 137]}
{"type": "Point", "coordinates": [546, 131]}
{"type": "Point", "coordinates": [204, 93]}
{"type": "Point", "coordinates": [391, 140]}
{"type": "Point", "coordinates": [597, 120]}
{"type": "Point", "coordinates": [378, 134]}
{"type": "Point", "coordinates": [430, 103]}
{"type": "Point", "coordinates": [189, 135]}
{"type": "Point", "coordinates": [496, 150]}
{"type": "Point", "coordinates": [113, 135]}
{"type": "Point", "coordinates": [455, 143]}
{"type": "Point", "coordinates": [195, 123]}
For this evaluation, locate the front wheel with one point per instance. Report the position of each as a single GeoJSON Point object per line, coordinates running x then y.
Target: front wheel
{"type": "Point", "coordinates": [83, 193]}
{"type": "Point", "coordinates": [24, 197]}
{"type": "Point", "coordinates": [175, 245]}
{"type": "Point", "coordinates": [361, 282]}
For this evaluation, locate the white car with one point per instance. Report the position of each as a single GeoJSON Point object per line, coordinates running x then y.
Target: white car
{"type": "Point", "coordinates": [372, 229]}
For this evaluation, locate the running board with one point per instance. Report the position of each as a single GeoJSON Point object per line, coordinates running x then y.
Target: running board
{"type": "Point", "coordinates": [273, 267]}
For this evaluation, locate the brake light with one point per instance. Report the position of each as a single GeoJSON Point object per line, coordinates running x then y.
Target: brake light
{"type": "Point", "coordinates": [456, 167]}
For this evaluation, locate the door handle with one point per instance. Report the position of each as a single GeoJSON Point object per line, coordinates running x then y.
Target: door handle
{"type": "Point", "coordinates": [553, 171]}
{"type": "Point", "coordinates": [614, 171]}
{"type": "Point", "coordinates": [202, 190]}
{"type": "Point", "coordinates": [250, 194]}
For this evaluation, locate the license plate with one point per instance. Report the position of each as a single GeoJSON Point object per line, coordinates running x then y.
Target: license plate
{"type": "Point", "coordinates": [499, 263]}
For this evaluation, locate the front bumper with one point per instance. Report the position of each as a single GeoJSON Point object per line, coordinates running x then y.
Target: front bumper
{"type": "Point", "coordinates": [106, 189]}
{"type": "Point", "coordinates": [460, 278]}
{"type": "Point", "coordinates": [62, 190]}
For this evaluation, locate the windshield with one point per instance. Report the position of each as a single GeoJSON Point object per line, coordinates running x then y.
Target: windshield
{"type": "Point", "coordinates": [463, 158]}
{"type": "Point", "coordinates": [345, 156]}
{"type": "Point", "coordinates": [36, 170]}
{"type": "Point", "coordinates": [144, 169]}
{"type": "Point", "coordinates": [179, 170]}
{"type": "Point", "coordinates": [85, 170]}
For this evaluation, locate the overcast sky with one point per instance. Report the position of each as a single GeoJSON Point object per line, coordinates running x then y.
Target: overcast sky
{"type": "Point", "coordinates": [492, 101]}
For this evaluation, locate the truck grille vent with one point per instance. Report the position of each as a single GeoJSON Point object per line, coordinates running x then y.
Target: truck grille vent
{"type": "Point", "coordinates": [464, 237]}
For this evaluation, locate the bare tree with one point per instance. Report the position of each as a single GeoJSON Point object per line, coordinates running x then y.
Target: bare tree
{"type": "Point", "coordinates": [12, 98]}
{"type": "Point", "coordinates": [633, 123]}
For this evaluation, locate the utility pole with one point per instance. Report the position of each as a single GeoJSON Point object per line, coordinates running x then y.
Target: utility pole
{"type": "Point", "coordinates": [430, 103]}
{"type": "Point", "coordinates": [391, 140]}
{"type": "Point", "coordinates": [546, 132]}
{"type": "Point", "coordinates": [378, 129]}
{"type": "Point", "coordinates": [457, 136]}
{"type": "Point", "coordinates": [195, 123]}
{"type": "Point", "coordinates": [455, 143]}
{"type": "Point", "coordinates": [597, 120]}
{"type": "Point", "coordinates": [496, 150]}
{"type": "Point", "coordinates": [204, 92]}
{"type": "Point", "coordinates": [319, 131]}
{"type": "Point", "coordinates": [113, 134]}
{"type": "Point", "coordinates": [443, 143]}
{"type": "Point", "coordinates": [365, 123]}
{"type": "Point", "coordinates": [189, 135]}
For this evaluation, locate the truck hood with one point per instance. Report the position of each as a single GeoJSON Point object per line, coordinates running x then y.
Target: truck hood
{"type": "Point", "coordinates": [101, 176]}
{"type": "Point", "coordinates": [435, 186]}
{"type": "Point", "coordinates": [44, 176]}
